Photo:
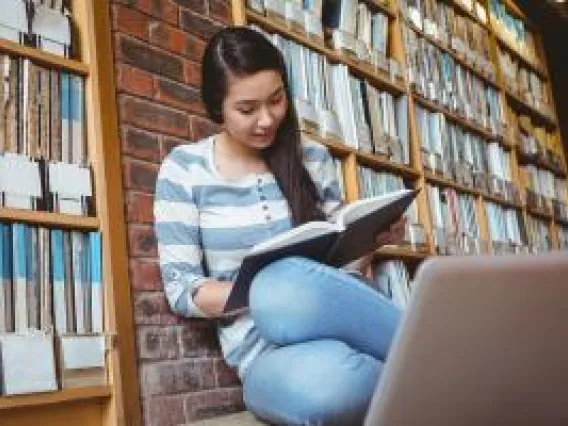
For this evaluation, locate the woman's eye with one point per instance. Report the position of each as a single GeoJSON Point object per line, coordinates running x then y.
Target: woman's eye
{"type": "Point", "coordinates": [247, 111]}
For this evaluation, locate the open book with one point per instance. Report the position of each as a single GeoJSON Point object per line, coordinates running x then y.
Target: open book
{"type": "Point", "coordinates": [352, 235]}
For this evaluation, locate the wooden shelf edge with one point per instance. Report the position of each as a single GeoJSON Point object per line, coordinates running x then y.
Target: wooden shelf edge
{"type": "Point", "coordinates": [501, 201]}
{"type": "Point", "coordinates": [64, 396]}
{"type": "Point", "coordinates": [448, 183]}
{"type": "Point", "coordinates": [333, 56]}
{"type": "Point", "coordinates": [451, 116]}
{"type": "Point", "coordinates": [517, 102]}
{"type": "Point", "coordinates": [384, 9]}
{"type": "Point", "coordinates": [400, 253]}
{"type": "Point", "coordinates": [44, 58]}
{"type": "Point", "coordinates": [342, 150]}
{"type": "Point", "coordinates": [374, 160]}
{"type": "Point", "coordinates": [50, 219]}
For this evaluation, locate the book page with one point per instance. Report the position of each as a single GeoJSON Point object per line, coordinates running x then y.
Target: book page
{"type": "Point", "coordinates": [303, 232]}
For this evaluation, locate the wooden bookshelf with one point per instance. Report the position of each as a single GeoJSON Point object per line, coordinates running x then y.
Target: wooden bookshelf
{"type": "Point", "coordinates": [457, 58]}
{"type": "Point", "coordinates": [415, 172]}
{"type": "Point", "coordinates": [520, 56]}
{"type": "Point", "coordinates": [376, 78]}
{"type": "Point", "coordinates": [453, 117]}
{"type": "Point", "coordinates": [118, 403]}
{"type": "Point", "coordinates": [536, 115]}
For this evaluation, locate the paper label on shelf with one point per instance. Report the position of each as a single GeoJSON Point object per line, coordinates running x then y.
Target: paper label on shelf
{"type": "Point", "coordinates": [81, 352]}
{"type": "Point", "coordinates": [28, 364]}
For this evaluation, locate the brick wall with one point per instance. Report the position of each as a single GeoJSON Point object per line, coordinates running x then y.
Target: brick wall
{"type": "Point", "coordinates": [157, 47]}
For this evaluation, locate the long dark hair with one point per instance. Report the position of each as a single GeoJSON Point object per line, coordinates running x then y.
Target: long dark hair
{"type": "Point", "coordinates": [242, 52]}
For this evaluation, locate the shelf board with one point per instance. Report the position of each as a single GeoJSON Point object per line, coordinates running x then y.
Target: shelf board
{"type": "Point", "coordinates": [64, 396]}
{"type": "Point", "coordinates": [49, 219]}
{"type": "Point", "coordinates": [539, 214]}
{"type": "Point", "coordinates": [339, 149]}
{"type": "Point", "coordinates": [540, 118]}
{"type": "Point", "coordinates": [373, 160]}
{"type": "Point", "coordinates": [454, 56]}
{"type": "Point", "coordinates": [450, 184]}
{"type": "Point", "coordinates": [453, 117]}
{"type": "Point", "coordinates": [518, 55]}
{"type": "Point", "coordinates": [44, 58]}
{"type": "Point", "coordinates": [400, 252]}
{"type": "Point", "coordinates": [384, 9]}
{"type": "Point", "coordinates": [501, 201]}
{"type": "Point", "coordinates": [375, 78]}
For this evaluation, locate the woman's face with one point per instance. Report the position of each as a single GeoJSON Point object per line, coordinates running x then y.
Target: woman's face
{"type": "Point", "coordinates": [254, 107]}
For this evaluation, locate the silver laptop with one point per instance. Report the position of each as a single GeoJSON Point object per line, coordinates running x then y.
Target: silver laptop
{"type": "Point", "coordinates": [485, 342]}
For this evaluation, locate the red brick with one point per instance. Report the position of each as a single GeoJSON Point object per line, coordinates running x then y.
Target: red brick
{"type": "Point", "coordinates": [151, 308]}
{"type": "Point", "coordinates": [139, 207]}
{"type": "Point", "coordinates": [197, 24]}
{"type": "Point", "coordinates": [164, 9]}
{"type": "Point", "coordinates": [226, 376]}
{"type": "Point", "coordinates": [220, 11]}
{"type": "Point", "coordinates": [203, 127]}
{"type": "Point", "coordinates": [142, 241]}
{"type": "Point", "coordinates": [176, 41]}
{"type": "Point", "coordinates": [156, 343]}
{"type": "Point", "coordinates": [142, 55]}
{"type": "Point", "coordinates": [179, 96]}
{"type": "Point", "coordinates": [171, 377]}
{"type": "Point", "coordinates": [140, 144]}
{"type": "Point", "coordinates": [145, 274]}
{"type": "Point", "coordinates": [151, 116]}
{"type": "Point", "coordinates": [199, 6]}
{"type": "Point", "coordinates": [199, 339]}
{"type": "Point", "coordinates": [135, 81]}
{"type": "Point", "coordinates": [130, 21]}
{"type": "Point", "coordinates": [164, 410]}
{"type": "Point", "coordinates": [214, 403]}
{"type": "Point", "coordinates": [192, 73]}
{"type": "Point", "coordinates": [139, 175]}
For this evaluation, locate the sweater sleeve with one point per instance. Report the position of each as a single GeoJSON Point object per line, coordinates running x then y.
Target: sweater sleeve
{"type": "Point", "coordinates": [176, 225]}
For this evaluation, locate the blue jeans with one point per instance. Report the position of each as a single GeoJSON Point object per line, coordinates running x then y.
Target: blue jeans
{"type": "Point", "coordinates": [332, 332]}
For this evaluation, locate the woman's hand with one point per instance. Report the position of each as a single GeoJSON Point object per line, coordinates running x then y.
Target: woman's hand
{"type": "Point", "coordinates": [393, 235]}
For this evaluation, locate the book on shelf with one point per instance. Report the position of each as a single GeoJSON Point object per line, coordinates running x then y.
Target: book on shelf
{"type": "Point", "coordinates": [350, 236]}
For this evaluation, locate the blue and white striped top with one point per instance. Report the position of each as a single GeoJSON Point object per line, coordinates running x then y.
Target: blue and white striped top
{"type": "Point", "coordinates": [205, 224]}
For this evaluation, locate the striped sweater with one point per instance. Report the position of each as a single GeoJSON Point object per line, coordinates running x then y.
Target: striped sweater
{"type": "Point", "coordinates": [205, 224]}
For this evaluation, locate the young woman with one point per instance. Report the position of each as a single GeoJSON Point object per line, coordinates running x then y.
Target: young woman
{"type": "Point", "coordinates": [312, 346]}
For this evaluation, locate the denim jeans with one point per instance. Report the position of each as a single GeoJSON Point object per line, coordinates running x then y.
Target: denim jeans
{"type": "Point", "coordinates": [332, 334]}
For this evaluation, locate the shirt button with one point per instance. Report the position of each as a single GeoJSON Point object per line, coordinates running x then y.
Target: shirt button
{"type": "Point", "coordinates": [264, 207]}
{"type": "Point", "coordinates": [268, 217]}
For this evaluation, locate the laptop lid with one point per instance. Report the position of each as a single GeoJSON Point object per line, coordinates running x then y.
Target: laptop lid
{"type": "Point", "coordinates": [485, 342]}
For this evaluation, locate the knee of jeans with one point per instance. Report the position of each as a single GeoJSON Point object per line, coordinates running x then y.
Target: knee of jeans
{"type": "Point", "coordinates": [273, 286]}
